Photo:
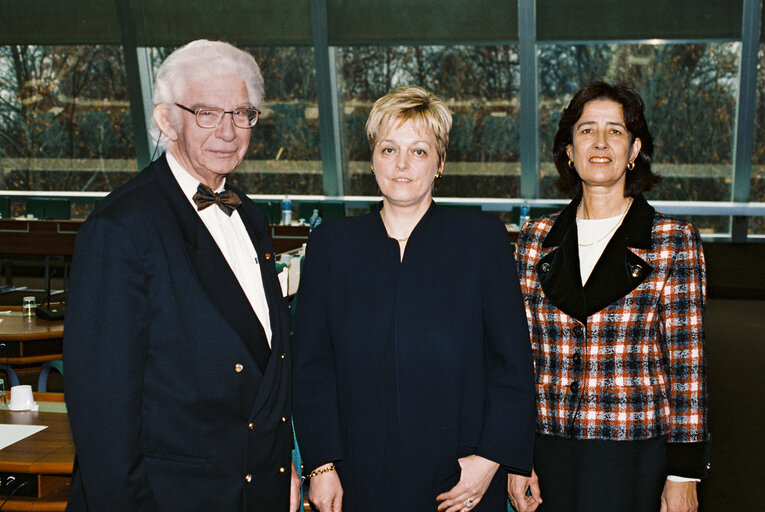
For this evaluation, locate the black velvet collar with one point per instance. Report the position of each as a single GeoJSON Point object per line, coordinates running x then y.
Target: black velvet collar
{"type": "Point", "coordinates": [617, 273]}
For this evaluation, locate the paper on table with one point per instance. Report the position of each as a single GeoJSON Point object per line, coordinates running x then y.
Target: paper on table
{"type": "Point", "coordinates": [10, 434]}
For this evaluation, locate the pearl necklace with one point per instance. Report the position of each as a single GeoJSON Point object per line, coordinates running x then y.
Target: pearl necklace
{"type": "Point", "coordinates": [618, 223]}
{"type": "Point", "coordinates": [399, 240]}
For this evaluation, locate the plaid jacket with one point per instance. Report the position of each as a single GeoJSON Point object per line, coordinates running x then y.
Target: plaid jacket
{"type": "Point", "coordinates": [621, 358]}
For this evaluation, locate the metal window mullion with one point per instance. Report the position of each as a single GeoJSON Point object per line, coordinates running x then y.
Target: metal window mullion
{"type": "Point", "coordinates": [135, 92]}
{"type": "Point", "coordinates": [328, 99]}
{"type": "Point", "coordinates": [747, 104]}
{"type": "Point", "coordinates": [529, 122]}
{"type": "Point", "coordinates": [146, 80]}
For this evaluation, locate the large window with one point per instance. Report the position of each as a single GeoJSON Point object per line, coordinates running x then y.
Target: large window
{"type": "Point", "coordinates": [480, 86]}
{"type": "Point", "coordinates": [690, 94]}
{"type": "Point", "coordinates": [64, 118]}
{"type": "Point", "coordinates": [757, 191]}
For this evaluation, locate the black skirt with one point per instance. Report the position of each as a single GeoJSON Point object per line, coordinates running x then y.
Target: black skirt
{"type": "Point", "coordinates": [600, 476]}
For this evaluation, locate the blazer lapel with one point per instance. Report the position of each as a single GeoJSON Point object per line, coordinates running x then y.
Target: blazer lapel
{"type": "Point", "coordinates": [253, 220]}
{"type": "Point", "coordinates": [618, 270]}
{"type": "Point", "coordinates": [212, 270]}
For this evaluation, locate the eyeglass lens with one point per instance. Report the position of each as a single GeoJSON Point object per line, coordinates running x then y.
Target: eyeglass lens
{"type": "Point", "coordinates": [243, 117]}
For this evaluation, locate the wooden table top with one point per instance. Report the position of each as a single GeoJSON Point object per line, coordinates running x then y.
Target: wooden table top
{"type": "Point", "coordinates": [50, 451]}
{"type": "Point", "coordinates": [18, 328]}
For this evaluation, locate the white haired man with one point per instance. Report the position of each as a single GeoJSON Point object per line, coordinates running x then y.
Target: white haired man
{"type": "Point", "coordinates": [176, 346]}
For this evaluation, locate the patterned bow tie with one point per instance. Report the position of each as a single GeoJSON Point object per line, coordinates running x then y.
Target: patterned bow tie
{"type": "Point", "coordinates": [226, 200]}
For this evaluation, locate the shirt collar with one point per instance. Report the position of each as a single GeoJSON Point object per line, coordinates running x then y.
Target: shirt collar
{"type": "Point", "coordinates": [637, 224]}
{"type": "Point", "coordinates": [186, 181]}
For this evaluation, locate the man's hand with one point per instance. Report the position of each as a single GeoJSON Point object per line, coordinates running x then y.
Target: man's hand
{"type": "Point", "coordinates": [679, 497]}
{"type": "Point", "coordinates": [475, 478]}
{"type": "Point", "coordinates": [517, 486]}
{"type": "Point", "coordinates": [325, 491]}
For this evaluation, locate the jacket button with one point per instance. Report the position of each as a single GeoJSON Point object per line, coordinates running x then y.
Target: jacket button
{"type": "Point", "coordinates": [248, 478]}
{"type": "Point", "coordinates": [575, 386]}
{"type": "Point", "coordinates": [578, 331]}
{"type": "Point", "coordinates": [251, 426]}
{"type": "Point", "coordinates": [577, 359]}
{"type": "Point", "coordinates": [238, 368]}
{"type": "Point", "coordinates": [284, 355]}
{"type": "Point", "coordinates": [284, 420]}
{"type": "Point", "coordinates": [636, 270]}
{"type": "Point", "coordinates": [545, 267]}
{"type": "Point", "coordinates": [281, 470]}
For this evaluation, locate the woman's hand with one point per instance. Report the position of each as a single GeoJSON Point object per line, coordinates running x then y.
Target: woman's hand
{"type": "Point", "coordinates": [679, 497]}
{"type": "Point", "coordinates": [475, 478]}
{"type": "Point", "coordinates": [325, 491]}
{"type": "Point", "coordinates": [517, 486]}
{"type": "Point", "coordinates": [294, 490]}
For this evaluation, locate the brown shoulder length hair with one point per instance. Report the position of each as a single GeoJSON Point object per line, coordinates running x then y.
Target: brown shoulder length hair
{"type": "Point", "coordinates": [641, 178]}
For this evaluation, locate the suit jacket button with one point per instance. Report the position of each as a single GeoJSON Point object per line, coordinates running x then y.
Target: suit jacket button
{"type": "Point", "coordinates": [575, 386]}
{"type": "Point", "coordinates": [284, 355]}
{"type": "Point", "coordinates": [545, 267]}
{"type": "Point", "coordinates": [284, 420]}
{"type": "Point", "coordinates": [248, 478]}
{"type": "Point", "coordinates": [281, 470]}
{"type": "Point", "coordinates": [238, 368]}
{"type": "Point", "coordinates": [636, 270]}
{"type": "Point", "coordinates": [578, 331]}
{"type": "Point", "coordinates": [251, 426]}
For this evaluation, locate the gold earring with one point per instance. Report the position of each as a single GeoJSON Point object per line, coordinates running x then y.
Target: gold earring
{"type": "Point", "coordinates": [570, 163]}
{"type": "Point", "coordinates": [439, 173]}
{"type": "Point", "coordinates": [373, 170]}
{"type": "Point", "coordinates": [631, 165]}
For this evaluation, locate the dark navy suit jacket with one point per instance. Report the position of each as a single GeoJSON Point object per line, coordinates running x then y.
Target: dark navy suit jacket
{"type": "Point", "coordinates": [173, 396]}
{"type": "Point", "coordinates": [447, 323]}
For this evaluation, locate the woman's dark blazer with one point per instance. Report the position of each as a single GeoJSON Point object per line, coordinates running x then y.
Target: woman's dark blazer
{"type": "Point", "coordinates": [451, 312]}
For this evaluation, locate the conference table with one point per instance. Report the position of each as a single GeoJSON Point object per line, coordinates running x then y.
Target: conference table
{"type": "Point", "coordinates": [43, 460]}
{"type": "Point", "coordinates": [26, 343]}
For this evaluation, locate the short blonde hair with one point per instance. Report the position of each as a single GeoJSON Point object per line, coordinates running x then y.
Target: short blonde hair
{"type": "Point", "coordinates": [411, 103]}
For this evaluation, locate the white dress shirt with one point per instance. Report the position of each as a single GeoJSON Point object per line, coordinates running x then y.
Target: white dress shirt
{"type": "Point", "coordinates": [233, 241]}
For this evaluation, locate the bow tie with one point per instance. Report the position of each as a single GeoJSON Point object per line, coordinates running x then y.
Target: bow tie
{"type": "Point", "coordinates": [226, 200]}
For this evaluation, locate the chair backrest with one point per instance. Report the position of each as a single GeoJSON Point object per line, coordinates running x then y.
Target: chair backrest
{"type": "Point", "coordinates": [5, 207]}
{"type": "Point", "coordinates": [48, 207]}
{"type": "Point", "coordinates": [327, 209]}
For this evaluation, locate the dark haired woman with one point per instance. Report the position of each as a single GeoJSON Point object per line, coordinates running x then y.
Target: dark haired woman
{"type": "Point", "coordinates": [615, 296]}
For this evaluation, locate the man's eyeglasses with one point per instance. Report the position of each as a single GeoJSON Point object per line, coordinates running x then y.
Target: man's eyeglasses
{"type": "Point", "coordinates": [210, 117]}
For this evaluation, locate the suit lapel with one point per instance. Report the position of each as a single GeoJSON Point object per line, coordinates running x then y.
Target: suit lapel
{"type": "Point", "coordinates": [617, 272]}
{"type": "Point", "coordinates": [254, 220]}
{"type": "Point", "coordinates": [212, 269]}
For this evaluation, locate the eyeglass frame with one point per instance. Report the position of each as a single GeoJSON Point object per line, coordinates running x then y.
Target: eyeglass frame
{"type": "Point", "coordinates": [196, 111]}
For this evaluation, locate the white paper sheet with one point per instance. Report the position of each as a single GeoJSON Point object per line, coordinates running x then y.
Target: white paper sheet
{"type": "Point", "coordinates": [10, 434]}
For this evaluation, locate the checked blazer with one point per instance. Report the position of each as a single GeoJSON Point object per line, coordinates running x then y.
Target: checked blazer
{"type": "Point", "coordinates": [621, 358]}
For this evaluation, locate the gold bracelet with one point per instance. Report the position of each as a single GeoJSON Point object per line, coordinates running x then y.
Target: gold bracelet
{"type": "Point", "coordinates": [321, 471]}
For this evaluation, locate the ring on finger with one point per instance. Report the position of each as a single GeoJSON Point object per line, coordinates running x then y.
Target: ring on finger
{"type": "Point", "coordinates": [468, 503]}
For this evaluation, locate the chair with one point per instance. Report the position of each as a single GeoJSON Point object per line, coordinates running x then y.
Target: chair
{"type": "Point", "coordinates": [42, 382]}
{"type": "Point", "coordinates": [12, 377]}
{"type": "Point", "coordinates": [5, 207]}
{"type": "Point", "coordinates": [327, 209]}
{"type": "Point", "coordinates": [48, 207]}
{"type": "Point", "coordinates": [272, 210]}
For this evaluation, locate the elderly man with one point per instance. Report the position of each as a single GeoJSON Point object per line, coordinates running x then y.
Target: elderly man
{"type": "Point", "coordinates": [176, 345]}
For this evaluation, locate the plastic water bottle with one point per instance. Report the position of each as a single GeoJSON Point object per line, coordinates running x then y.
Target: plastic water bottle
{"type": "Point", "coordinates": [523, 215]}
{"type": "Point", "coordinates": [286, 211]}
{"type": "Point", "coordinates": [315, 220]}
